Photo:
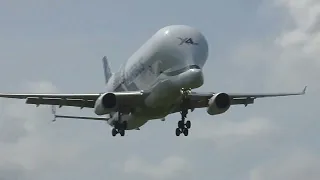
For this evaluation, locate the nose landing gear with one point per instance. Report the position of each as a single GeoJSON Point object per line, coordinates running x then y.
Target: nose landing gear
{"type": "Point", "coordinates": [119, 128]}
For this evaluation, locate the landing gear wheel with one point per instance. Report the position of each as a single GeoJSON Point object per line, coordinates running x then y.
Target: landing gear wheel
{"type": "Point", "coordinates": [114, 132]}
{"type": "Point", "coordinates": [178, 132]}
{"type": "Point", "coordinates": [185, 132]}
{"type": "Point", "coordinates": [180, 124]}
{"type": "Point", "coordinates": [122, 132]}
{"type": "Point", "coordinates": [188, 124]}
{"type": "Point", "coordinates": [119, 127]}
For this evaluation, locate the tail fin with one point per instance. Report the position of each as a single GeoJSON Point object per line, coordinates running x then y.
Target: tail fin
{"type": "Point", "coordinates": [106, 68]}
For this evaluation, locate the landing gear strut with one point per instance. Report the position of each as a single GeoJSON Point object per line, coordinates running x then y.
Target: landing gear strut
{"type": "Point", "coordinates": [119, 127]}
{"type": "Point", "coordinates": [184, 126]}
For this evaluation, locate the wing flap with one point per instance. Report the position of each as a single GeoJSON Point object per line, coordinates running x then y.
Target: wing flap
{"type": "Point", "coordinates": [201, 100]}
{"type": "Point", "coordinates": [61, 102]}
{"type": "Point", "coordinates": [244, 101]}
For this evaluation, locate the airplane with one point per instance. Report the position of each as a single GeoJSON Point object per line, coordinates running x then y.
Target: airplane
{"type": "Point", "coordinates": [157, 80]}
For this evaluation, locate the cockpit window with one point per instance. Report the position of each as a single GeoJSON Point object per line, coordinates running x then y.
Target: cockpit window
{"type": "Point", "coordinates": [194, 67]}
{"type": "Point", "coordinates": [179, 71]}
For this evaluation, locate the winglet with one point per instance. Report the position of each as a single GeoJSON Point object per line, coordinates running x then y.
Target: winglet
{"type": "Point", "coordinates": [304, 90]}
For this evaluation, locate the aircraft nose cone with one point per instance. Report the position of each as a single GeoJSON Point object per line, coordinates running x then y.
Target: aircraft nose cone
{"type": "Point", "coordinates": [196, 78]}
{"type": "Point", "coordinates": [193, 78]}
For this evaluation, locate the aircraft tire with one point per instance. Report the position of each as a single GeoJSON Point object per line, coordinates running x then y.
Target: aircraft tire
{"type": "Point", "coordinates": [114, 132]}
{"type": "Point", "coordinates": [122, 132]}
{"type": "Point", "coordinates": [185, 132]}
{"type": "Point", "coordinates": [180, 124]}
{"type": "Point", "coordinates": [178, 132]}
{"type": "Point", "coordinates": [188, 124]}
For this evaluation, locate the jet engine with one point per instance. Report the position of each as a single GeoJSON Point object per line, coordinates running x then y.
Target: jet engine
{"type": "Point", "coordinates": [218, 104]}
{"type": "Point", "coordinates": [105, 104]}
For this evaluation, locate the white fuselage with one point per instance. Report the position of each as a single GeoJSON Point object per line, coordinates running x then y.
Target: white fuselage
{"type": "Point", "coordinates": [170, 60]}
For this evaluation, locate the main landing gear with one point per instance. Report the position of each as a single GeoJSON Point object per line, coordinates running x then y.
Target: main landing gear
{"type": "Point", "coordinates": [119, 127]}
{"type": "Point", "coordinates": [184, 126]}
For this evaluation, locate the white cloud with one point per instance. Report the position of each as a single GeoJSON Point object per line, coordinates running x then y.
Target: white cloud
{"type": "Point", "coordinates": [287, 62]}
{"type": "Point", "coordinates": [26, 137]}
{"type": "Point", "coordinates": [303, 12]}
{"type": "Point", "coordinates": [294, 56]}
{"type": "Point", "coordinates": [169, 168]}
{"type": "Point", "coordinates": [298, 61]}
{"type": "Point", "coordinates": [305, 15]}
{"type": "Point", "coordinates": [220, 129]}
{"type": "Point", "coordinates": [297, 165]}
{"type": "Point", "coordinates": [225, 133]}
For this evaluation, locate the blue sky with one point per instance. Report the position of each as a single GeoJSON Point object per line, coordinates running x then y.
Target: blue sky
{"type": "Point", "coordinates": [254, 46]}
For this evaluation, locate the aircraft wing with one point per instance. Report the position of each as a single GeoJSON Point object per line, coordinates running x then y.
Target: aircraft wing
{"type": "Point", "coordinates": [200, 100]}
{"type": "Point", "coordinates": [75, 100]}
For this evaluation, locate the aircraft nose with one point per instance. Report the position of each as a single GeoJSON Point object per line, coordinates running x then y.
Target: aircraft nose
{"type": "Point", "coordinates": [193, 78]}
{"type": "Point", "coordinates": [196, 78]}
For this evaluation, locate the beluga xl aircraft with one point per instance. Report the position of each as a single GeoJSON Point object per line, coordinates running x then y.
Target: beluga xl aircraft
{"type": "Point", "coordinates": [157, 80]}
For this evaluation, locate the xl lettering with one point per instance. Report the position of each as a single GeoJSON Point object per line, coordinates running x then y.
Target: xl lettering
{"type": "Point", "coordinates": [187, 41]}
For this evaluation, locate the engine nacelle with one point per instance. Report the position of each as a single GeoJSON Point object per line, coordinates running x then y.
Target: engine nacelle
{"type": "Point", "coordinates": [105, 104]}
{"type": "Point", "coordinates": [218, 104]}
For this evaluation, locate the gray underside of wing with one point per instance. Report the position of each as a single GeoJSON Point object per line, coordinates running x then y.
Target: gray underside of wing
{"type": "Point", "coordinates": [200, 100]}
{"type": "Point", "coordinates": [75, 100]}
{"type": "Point", "coordinates": [57, 95]}
{"type": "Point", "coordinates": [262, 95]}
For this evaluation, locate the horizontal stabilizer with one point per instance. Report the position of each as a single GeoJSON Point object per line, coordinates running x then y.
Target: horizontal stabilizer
{"type": "Point", "coordinates": [81, 117]}
{"type": "Point", "coordinates": [106, 68]}
{"type": "Point", "coordinates": [75, 117]}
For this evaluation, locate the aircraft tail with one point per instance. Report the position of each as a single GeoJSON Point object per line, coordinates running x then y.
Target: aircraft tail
{"type": "Point", "coordinates": [106, 68]}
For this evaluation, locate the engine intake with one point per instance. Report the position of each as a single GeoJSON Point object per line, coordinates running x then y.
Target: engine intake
{"type": "Point", "coordinates": [218, 103]}
{"type": "Point", "coordinates": [109, 100]}
{"type": "Point", "coordinates": [222, 100]}
{"type": "Point", "coordinates": [105, 104]}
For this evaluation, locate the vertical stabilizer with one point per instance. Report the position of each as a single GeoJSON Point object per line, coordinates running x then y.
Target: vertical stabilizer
{"type": "Point", "coordinates": [106, 68]}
